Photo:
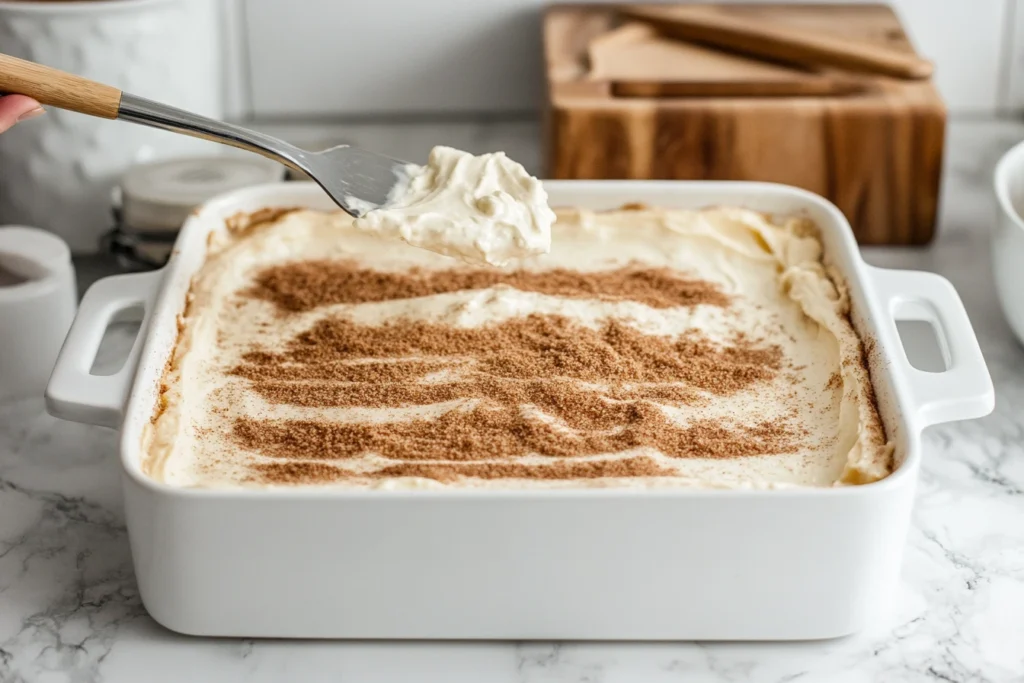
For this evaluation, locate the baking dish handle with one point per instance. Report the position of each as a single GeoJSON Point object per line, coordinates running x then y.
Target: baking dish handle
{"type": "Point", "coordinates": [964, 390]}
{"type": "Point", "coordinates": [74, 393]}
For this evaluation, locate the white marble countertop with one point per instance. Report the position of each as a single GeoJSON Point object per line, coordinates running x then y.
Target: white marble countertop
{"type": "Point", "coordinates": [70, 610]}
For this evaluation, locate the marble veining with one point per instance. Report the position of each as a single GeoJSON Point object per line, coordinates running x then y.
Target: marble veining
{"type": "Point", "coordinates": [70, 611]}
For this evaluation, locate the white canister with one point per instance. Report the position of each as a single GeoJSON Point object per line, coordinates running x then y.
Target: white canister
{"type": "Point", "coordinates": [57, 171]}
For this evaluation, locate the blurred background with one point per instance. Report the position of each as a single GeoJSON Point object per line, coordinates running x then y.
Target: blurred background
{"type": "Point", "coordinates": [400, 76]}
{"type": "Point", "coordinates": [323, 59]}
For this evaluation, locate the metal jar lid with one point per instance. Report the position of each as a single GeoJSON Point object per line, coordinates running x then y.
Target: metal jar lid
{"type": "Point", "coordinates": [153, 200]}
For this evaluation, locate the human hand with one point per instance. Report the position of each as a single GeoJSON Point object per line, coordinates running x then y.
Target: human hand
{"type": "Point", "coordinates": [15, 108]}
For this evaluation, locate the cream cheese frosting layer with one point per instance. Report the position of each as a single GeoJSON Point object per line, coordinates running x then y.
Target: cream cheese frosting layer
{"type": "Point", "coordinates": [650, 348]}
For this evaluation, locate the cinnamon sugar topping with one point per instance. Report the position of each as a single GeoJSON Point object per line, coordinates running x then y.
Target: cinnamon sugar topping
{"type": "Point", "coordinates": [531, 386]}
{"type": "Point", "coordinates": [313, 472]}
{"type": "Point", "coordinates": [310, 355]}
{"type": "Point", "coordinates": [504, 432]}
{"type": "Point", "coordinates": [304, 285]}
{"type": "Point", "coordinates": [521, 348]}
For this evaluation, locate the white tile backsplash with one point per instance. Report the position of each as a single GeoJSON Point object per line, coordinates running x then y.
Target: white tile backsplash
{"type": "Point", "coordinates": [307, 59]}
{"type": "Point", "coordinates": [965, 39]}
{"type": "Point", "coordinates": [331, 57]}
{"type": "Point", "coordinates": [1012, 85]}
{"type": "Point", "coordinates": [235, 53]}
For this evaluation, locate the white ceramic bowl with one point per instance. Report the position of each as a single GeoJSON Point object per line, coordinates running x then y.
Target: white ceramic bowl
{"type": "Point", "coordinates": [568, 564]}
{"type": "Point", "coordinates": [35, 313]}
{"type": "Point", "coordinates": [1008, 238]}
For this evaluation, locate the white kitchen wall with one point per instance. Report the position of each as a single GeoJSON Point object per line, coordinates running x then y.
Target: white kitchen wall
{"type": "Point", "coordinates": [322, 59]}
{"type": "Point", "coordinates": [234, 53]}
{"type": "Point", "coordinates": [1012, 90]}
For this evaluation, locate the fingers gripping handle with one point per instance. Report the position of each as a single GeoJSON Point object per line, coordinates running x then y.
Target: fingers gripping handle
{"type": "Point", "coordinates": [57, 88]}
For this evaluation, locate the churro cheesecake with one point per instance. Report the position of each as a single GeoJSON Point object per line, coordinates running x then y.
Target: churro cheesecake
{"type": "Point", "coordinates": [648, 348]}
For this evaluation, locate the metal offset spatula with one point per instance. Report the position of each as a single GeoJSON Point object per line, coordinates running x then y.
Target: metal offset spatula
{"type": "Point", "coordinates": [358, 180]}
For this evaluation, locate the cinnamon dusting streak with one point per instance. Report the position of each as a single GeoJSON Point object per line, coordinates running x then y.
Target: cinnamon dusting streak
{"type": "Point", "coordinates": [304, 285]}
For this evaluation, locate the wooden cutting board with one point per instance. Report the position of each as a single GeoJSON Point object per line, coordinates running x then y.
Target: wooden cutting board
{"type": "Point", "coordinates": [627, 101]}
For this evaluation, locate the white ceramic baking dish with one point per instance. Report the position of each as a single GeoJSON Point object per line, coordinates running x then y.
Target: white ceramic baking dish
{"type": "Point", "coordinates": [586, 564]}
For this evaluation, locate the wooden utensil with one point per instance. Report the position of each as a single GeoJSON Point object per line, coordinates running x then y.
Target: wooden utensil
{"type": "Point", "coordinates": [639, 62]}
{"type": "Point", "coordinates": [356, 179]}
{"type": "Point", "coordinates": [713, 26]}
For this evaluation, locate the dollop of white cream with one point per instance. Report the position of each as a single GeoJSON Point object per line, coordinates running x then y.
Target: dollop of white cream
{"type": "Point", "coordinates": [481, 209]}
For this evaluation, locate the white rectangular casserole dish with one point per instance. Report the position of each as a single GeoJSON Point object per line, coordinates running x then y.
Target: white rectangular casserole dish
{"type": "Point", "coordinates": [581, 564]}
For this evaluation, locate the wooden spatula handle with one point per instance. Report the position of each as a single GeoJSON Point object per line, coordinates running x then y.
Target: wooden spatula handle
{"type": "Point", "coordinates": [58, 88]}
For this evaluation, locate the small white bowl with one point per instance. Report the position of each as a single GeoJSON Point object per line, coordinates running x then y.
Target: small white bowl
{"type": "Point", "coordinates": [1008, 238]}
{"type": "Point", "coordinates": [37, 304]}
